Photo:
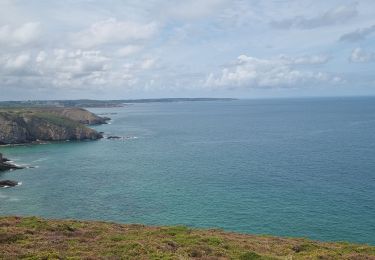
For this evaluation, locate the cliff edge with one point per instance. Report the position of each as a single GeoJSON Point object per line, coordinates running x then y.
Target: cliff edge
{"type": "Point", "coordinates": [36, 238]}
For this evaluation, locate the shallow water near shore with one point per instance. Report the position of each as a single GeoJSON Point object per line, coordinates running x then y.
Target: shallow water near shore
{"type": "Point", "coordinates": [288, 167]}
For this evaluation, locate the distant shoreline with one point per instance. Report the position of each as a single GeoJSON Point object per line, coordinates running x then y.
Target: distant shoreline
{"type": "Point", "coordinates": [87, 103]}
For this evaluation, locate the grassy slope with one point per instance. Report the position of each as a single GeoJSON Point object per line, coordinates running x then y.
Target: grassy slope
{"type": "Point", "coordinates": [42, 114]}
{"type": "Point", "coordinates": [35, 238]}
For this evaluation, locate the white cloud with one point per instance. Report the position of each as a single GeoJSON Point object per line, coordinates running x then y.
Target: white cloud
{"type": "Point", "coordinates": [333, 16]}
{"type": "Point", "coordinates": [253, 73]}
{"type": "Point", "coordinates": [18, 62]}
{"type": "Point", "coordinates": [68, 64]}
{"type": "Point", "coordinates": [42, 55]}
{"type": "Point", "coordinates": [15, 65]}
{"type": "Point", "coordinates": [147, 64]}
{"type": "Point", "coordinates": [111, 31]}
{"type": "Point", "coordinates": [19, 36]}
{"type": "Point", "coordinates": [128, 50]}
{"type": "Point", "coordinates": [359, 55]}
{"type": "Point", "coordinates": [73, 69]}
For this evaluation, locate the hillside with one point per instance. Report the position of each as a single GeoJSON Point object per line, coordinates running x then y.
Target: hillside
{"type": "Point", "coordinates": [25, 125]}
{"type": "Point", "coordinates": [36, 238]}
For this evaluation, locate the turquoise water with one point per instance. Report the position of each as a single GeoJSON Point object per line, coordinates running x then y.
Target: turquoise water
{"type": "Point", "coordinates": [298, 167]}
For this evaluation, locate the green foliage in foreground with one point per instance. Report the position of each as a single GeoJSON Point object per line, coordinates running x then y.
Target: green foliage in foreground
{"type": "Point", "coordinates": [36, 238]}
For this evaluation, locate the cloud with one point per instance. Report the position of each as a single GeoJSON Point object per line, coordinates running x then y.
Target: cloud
{"type": "Point", "coordinates": [15, 65]}
{"type": "Point", "coordinates": [305, 60]}
{"type": "Point", "coordinates": [193, 9]}
{"type": "Point", "coordinates": [19, 62]}
{"type": "Point", "coordinates": [128, 50]}
{"type": "Point", "coordinates": [252, 72]}
{"type": "Point", "coordinates": [358, 35]}
{"type": "Point", "coordinates": [147, 64]}
{"type": "Point", "coordinates": [91, 44]}
{"type": "Point", "coordinates": [111, 31]}
{"type": "Point", "coordinates": [72, 64]}
{"type": "Point", "coordinates": [331, 17]}
{"type": "Point", "coordinates": [19, 36]}
{"type": "Point", "coordinates": [73, 69]}
{"type": "Point", "coordinates": [359, 55]}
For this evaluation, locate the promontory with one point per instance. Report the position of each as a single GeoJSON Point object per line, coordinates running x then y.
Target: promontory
{"type": "Point", "coordinates": [28, 125]}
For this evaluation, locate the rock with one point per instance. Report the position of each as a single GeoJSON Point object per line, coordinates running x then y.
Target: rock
{"type": "Point", "coordinates": [8, 183]}
{"type": "Point", "coordinates": [6, 166]}
{"type": "Point", "coordinates": [114, 137]}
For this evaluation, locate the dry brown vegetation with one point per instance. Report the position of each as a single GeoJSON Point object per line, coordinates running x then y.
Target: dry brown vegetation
{"type": "Point", "coordinates": [36, 238]}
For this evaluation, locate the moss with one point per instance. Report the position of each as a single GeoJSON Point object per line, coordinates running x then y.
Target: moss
{"type": "Point", "coordinates": [213, 241]}
{"type": "Point", "coordinates": [250, 256]}
{"type": "Point", "coordinates": [304, 247]}
{"type": "Point", "coordinates": [33, 223]}
{"type": "Point", "coordinates": [6, 238]}
{"type": "Point", "coordinates": [117, 238]}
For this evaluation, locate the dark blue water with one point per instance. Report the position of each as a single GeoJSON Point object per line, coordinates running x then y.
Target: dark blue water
{"type": "Point", "coordinates": [301, 167]}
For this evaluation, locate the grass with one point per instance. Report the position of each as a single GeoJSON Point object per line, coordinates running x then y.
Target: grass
{"type": "Point", "coordinates": [36, 238]}
{"type": "Point", "coordinates": [48, 115]}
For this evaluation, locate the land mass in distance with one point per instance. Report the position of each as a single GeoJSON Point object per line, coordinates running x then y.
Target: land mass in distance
{"type": "Point", "coordinates": [99, 103]}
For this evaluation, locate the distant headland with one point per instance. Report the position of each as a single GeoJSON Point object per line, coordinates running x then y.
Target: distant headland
{"type": "Point", "coordinates": [59, 120]}
{"type": "Point", "coordinates": [21, 125]}
{"type": "Point", "coordinates": [99, 103]}
{"type": "Point", "coordinates": [32, 125]}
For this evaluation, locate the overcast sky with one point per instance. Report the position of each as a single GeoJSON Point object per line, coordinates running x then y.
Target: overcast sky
{"type": "Point", "coordinates": [117, 49]}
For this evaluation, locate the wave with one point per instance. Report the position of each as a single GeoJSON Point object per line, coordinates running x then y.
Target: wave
{"type": "Point", "coordinates": [40, 160]}
{"type": "Point", "coordinates": [124, 138]}
{"type": "Point", "coordinates": [8, 198]}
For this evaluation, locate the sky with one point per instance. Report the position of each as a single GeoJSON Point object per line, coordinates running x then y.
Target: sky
{"type": "Point", "coordinates": [119, 49]}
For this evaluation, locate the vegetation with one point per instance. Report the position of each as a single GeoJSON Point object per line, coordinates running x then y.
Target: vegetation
{"type": "Point", "coordinates": [36, 238]}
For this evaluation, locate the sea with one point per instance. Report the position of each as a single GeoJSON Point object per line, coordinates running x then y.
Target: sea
{"type": "Point", "coordinates": [284, 167]}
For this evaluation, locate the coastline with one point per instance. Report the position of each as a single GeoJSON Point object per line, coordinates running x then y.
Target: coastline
{"type": "Point", "coordinates": [26, 184]}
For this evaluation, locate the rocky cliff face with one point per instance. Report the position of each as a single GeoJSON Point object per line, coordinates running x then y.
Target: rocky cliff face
{"type": "Point", "coordinates": [28, 125]}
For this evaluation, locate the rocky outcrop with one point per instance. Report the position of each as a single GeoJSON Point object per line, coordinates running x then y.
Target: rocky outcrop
{"type": "Point", "coordinates": [55, 124]}
{"type": "Point", "coordinates": [5, 165]}
{"type": "Point", "coordinates": [114, 137]}
{"type": "Point", "coordinates": [8, 183]}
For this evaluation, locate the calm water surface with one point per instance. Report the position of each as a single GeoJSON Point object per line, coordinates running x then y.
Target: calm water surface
{"type": "Point", "coordinates": [301, 167]}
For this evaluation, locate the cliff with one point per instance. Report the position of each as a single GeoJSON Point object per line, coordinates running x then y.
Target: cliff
{"type": "Point", "coordinates": [25, 125]}
{"type": "Point", "coordinates": [36, 238]}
